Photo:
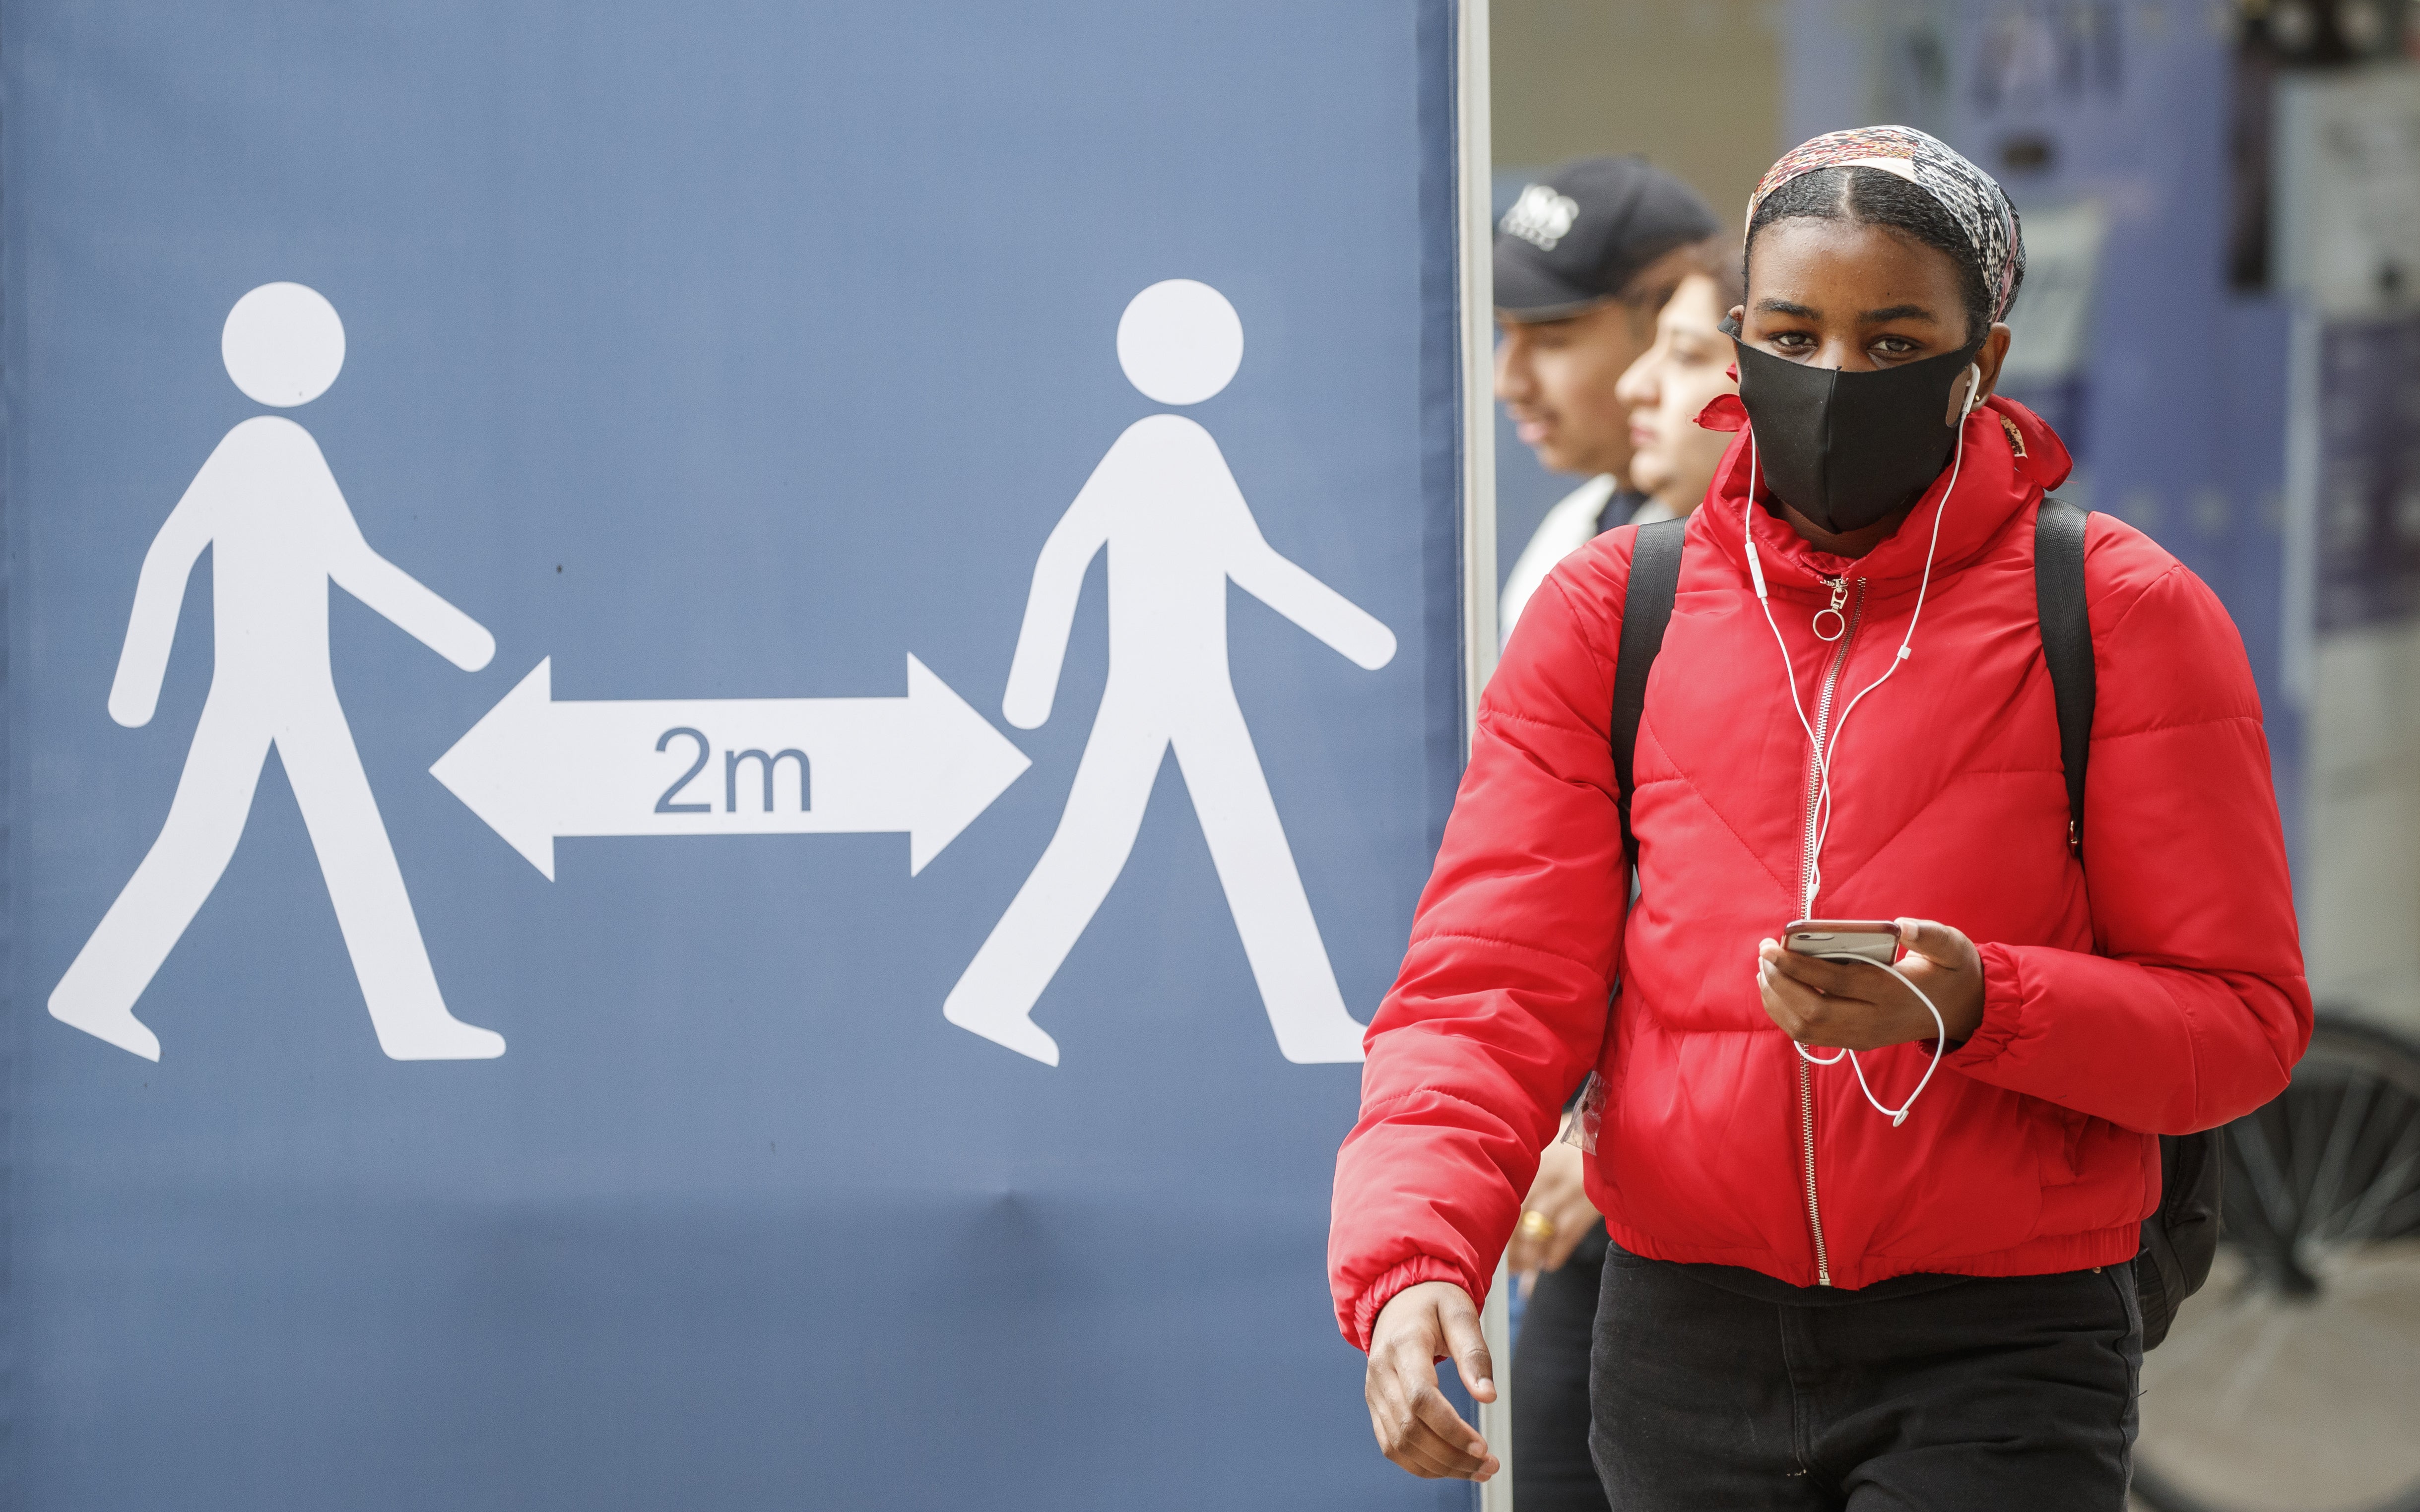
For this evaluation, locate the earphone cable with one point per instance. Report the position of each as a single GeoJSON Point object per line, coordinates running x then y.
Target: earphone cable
{"type": "Point", "coordinates": [1924, 585]}
{"type": "Point", "coordinates": [1788, 671]}
{"type": "Point", "coordinates": [1823, 750]}
{"type": "Point", "coordinates": [1940, 1046]}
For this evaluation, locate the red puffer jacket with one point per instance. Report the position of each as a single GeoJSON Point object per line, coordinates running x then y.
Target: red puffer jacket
{"type": "Point", "coordinates": [2153, 987]}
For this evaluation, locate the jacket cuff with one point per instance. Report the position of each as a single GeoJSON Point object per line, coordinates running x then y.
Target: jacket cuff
{"type": "Point", "coordinates": [1411, 1272]}
{"type": "Point", "coordinates": [2003, 1006]}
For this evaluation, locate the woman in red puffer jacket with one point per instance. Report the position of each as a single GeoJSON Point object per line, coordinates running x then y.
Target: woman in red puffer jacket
{"type": "Point", "coordinates": [1810, 1303]}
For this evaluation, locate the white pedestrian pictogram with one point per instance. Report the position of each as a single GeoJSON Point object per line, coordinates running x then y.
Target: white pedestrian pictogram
{"type": "Point", "coordinates": [279, 531]}
{"type": "Point", "coordinates": [1177, 531]}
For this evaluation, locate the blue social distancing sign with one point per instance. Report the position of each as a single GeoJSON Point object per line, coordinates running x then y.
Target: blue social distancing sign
{"type": "Point", "coordinates": [721, 723]}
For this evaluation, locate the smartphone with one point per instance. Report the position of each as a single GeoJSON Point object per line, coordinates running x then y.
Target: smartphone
{"type": "Point", "coordinates": [1868, 939]}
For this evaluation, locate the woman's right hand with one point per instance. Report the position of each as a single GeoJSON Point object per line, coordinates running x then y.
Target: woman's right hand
{"type": "Point", "coordinates": [1559, 1198]}
{"type": "Point", "coordinates": [1415, 1426]}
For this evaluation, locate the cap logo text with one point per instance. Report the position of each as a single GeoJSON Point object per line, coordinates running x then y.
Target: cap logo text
{"type": "Point", "coordinates": [1540, 217]}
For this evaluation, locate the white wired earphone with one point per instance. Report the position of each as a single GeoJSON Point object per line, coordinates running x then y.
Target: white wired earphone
{"type": "Point", "coordinates": [1822, 748]}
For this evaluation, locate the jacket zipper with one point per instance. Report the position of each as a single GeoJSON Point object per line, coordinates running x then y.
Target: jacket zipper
{"type": "Point", "coordinates": [1855, 613]}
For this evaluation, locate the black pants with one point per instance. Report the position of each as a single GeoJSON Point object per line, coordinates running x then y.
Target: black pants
{"type": "Point", "coordinates": [1945, 1395]}
{"type": "Point", "coordinates": [1551, 1468]}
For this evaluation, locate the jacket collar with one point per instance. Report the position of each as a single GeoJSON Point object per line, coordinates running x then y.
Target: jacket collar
{"type": "Point", "coordinates": [2012, 457]}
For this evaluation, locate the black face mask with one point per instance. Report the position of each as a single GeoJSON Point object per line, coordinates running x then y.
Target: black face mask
{"type": "Point", "coordinates": [1846, 449]}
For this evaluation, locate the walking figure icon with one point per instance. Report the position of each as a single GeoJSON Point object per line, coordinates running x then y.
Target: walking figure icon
{"type": "Point", "coordinates": [279, 531]}
{"type": "Point", "coordinates": [1177, 530]}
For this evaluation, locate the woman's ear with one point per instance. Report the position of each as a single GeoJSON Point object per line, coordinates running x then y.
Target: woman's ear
{"type": "Point", "coordinates": [1988, 358]}
{"type": "Point", "coordinates": [1995, 352]}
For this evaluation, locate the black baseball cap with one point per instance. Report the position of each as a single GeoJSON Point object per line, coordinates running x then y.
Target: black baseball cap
{"type": "Point", "coordinates": [1577, 237]}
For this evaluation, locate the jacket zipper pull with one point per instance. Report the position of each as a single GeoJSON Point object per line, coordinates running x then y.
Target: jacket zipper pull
{"type": "Point", "coordinates": [1840, 587]}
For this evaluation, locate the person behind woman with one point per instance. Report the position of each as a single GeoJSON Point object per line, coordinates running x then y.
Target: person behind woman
{"type": "Point", "coordinates": [1673, 457]}
{"type": "Point", "coordinates": [1817, 1298]}
{"type": "Point", "coordinates": [1559, 1246]}
{"type": "Point", "coordinates": [1583, 260]}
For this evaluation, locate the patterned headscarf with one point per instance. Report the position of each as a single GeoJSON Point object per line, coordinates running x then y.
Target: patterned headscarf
{"type": "Point", "coordinates": [1972, 196]}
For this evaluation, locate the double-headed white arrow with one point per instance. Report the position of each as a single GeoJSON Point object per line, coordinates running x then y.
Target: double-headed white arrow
{"type": "Point", "coordinates": [537, 770]}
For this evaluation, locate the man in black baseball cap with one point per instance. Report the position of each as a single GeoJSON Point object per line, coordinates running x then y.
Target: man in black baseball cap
{"type": "Point", "coordinates": [1584, 261]}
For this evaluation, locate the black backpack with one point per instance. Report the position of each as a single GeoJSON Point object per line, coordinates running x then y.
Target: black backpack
{"type": "Point", "coordinates": [2180, 1237]}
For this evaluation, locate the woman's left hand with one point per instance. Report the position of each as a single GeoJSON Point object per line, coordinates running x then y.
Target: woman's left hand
{"type": "Point", "coordinates": [1856, 1005]}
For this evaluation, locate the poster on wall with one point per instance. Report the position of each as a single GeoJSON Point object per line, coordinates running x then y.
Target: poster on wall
{"type": "Point", "coordinates": [2367, 483]}
{"type": "Point", "coordinates": [2347, 227]}
{"type": "Point", "coordinates": [2348, 243]}
{"type": "Point", "coordinates": [718, 725]}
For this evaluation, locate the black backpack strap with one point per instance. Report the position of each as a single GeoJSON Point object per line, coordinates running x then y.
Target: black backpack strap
{"type": "Point", "coordinates": [1646, 608]}
{"type": "Point", "coordinates": [2066, 643]}
{"type": "Point", "coordinates": [2180, 1237]}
